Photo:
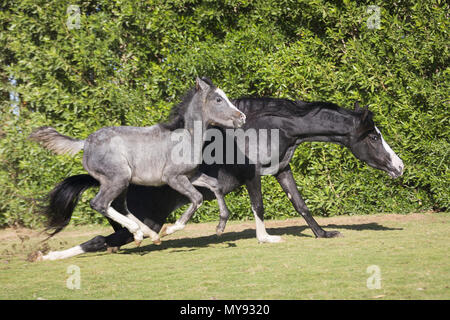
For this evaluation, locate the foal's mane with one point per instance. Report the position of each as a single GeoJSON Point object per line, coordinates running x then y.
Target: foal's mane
{"type": "Point", "coordinates": [176, 115]}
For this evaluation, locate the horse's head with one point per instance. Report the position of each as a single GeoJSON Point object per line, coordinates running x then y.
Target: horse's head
{"type": "Point", "coordinates": [216, 107]}
{"type": "Point", "coordinates": [368, 145]}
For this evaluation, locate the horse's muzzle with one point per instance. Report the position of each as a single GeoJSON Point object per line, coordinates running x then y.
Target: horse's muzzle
{"type": "Point", "coordinates": [240, 120]}
{"type": "Point", "coordinates": [396, 172]}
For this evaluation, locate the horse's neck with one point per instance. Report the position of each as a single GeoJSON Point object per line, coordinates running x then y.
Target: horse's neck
{"type": "Point", "coordinates": [195, 125]}
{"type": "Point", "coordinates": [325, 125]}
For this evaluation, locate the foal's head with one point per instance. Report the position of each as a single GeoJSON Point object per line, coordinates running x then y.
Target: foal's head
{"type": "Point", "coordinates": [216, 108]}
{"type": "Point", "coordinates": [368, 145]}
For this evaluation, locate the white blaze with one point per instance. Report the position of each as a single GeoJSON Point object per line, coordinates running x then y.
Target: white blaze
{"type": "Point", "coordinates": [396, 161]}
{"type": "Point", "coordinates": [224, 96]}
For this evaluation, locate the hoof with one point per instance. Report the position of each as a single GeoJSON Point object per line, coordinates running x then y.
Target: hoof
{"type": "Point", "coordinates": [138, 237]}
{"type": "Point", "coordinates": [112, 249]}
{"type": "Point", "coordinates": [35, 256]}
{"type": "Point", "coordinates": [219, 231]}
{"type": "Point", "coordinates": [157, 241]}
{"type": "Point", "coordinates": [163, 232]}
{"type": "Point", "coordinates": [271, 239]}
{"type": "Point", "coordinates": [332, 234]}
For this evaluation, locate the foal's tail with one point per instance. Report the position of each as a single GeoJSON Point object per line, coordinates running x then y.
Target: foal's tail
{"type": "Point", "coordinates": [56, 142]}
{"type": "Point", "coordinates": [62, 200]}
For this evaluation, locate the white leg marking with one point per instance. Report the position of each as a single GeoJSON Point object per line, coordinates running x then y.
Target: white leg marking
{"type": "Point", "coordinates": [261, 233]}
{"type": "Point", "coordinates": [132, 226]}
{"type": "Point", "coordinates": [144, 228]}
{"type": "Point", "coordinates": [57, 255]}
{"type": "Point", "coordinates": [176, 227]}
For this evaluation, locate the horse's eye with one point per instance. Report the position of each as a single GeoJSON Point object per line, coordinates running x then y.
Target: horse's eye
{"type": "Point", "coordinates": [218, 100]}
{"type": "Point", "coordinates": [374, 137]}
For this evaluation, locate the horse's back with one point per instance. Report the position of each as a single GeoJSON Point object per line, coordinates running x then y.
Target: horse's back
{"type": "Point", "coordinates": [139, 151]}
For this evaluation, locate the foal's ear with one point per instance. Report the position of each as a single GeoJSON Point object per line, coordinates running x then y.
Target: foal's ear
{"type": "Point", "coordinates": [357, 107]}
{"type": "Point", "coordinates": [201, 85]}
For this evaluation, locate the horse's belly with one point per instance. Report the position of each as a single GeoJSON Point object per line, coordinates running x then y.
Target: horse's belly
{"type": "Point", "coordinates": [147, 181]}
{"type": "Point", "coordinates": [148, 174]}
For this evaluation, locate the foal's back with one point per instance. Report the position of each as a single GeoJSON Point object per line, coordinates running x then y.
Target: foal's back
{"type": "Point", "coordinates": [138, 153]}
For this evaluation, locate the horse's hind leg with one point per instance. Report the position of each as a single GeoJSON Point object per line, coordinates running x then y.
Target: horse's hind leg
{"type": "Point", "coordinates": [109, 190]}
{"type": "Point", "coordinates": [120, 203]}
{"type": "Point", "coordinates": [99, 243]}
{"type": "Point", "coordinates": [185, 187]}
{"type": "Point", "coordinates": [211, 183]}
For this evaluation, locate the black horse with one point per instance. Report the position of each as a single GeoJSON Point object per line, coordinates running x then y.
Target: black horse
{"type": "Point", "coordinates": [297, 122]}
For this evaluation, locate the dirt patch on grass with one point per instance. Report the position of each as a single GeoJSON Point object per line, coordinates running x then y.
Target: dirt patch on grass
{"type": "Point", "coordinates": [17, 234]}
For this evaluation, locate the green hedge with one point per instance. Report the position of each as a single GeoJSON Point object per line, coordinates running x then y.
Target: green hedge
{"type": "Point", "coordinates": [127, 62]}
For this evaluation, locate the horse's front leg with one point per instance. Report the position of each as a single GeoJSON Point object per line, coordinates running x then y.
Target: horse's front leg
{"type": "Point", "coordinates": [182, 184]}
{"type": "Point", "coordinates": [203, 180]}
{"type": "Point", "coordinates": [287, 182]}
{"type": "Point", "coordinates": [256, 200]}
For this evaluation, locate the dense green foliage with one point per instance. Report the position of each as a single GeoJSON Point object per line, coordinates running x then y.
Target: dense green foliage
{"type": "Point", "coordinates": [127, 62]}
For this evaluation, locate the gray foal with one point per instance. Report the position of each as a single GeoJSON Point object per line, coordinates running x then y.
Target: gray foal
{"type": "Point", "coordinates": [151, 156]}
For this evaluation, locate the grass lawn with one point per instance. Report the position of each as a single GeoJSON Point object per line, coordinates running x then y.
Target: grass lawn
{"type": "Point", "coordinates": [411, 253]}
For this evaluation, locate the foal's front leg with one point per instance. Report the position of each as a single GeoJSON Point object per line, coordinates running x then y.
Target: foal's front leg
{"type": "Point", "coordinates": [182, 184]}
{"type": "Point", "coordinates": [203, 180]}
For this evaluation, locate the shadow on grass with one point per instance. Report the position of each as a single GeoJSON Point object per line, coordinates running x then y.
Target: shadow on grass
{"type": "Point", "coordinates": [228, 238]}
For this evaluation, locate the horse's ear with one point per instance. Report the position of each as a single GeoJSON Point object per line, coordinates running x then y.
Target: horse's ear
{"type": "Point", "coordinates": [200, 84]}
{"type": "Point", "coordinates": [357, 107]}
{"type": "Point", "coordinates": [366, 113]}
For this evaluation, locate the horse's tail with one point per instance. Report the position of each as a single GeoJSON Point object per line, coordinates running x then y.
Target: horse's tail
{"type": "Point", "coordinates": [56, 142]}
{"type": "Point", "coordinates": [62, 200]}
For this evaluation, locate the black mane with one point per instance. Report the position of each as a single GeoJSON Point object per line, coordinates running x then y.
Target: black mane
{"type": "Point", "coordinates": [256, 107]}
{"type": "Point", "coordinates": [259, 107]}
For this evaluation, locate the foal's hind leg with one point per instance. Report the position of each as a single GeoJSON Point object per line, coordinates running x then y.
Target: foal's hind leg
{"type": "Point", "coordinates": [184, 186]}
{"type": "Point", "coordinates": [109, 190]}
